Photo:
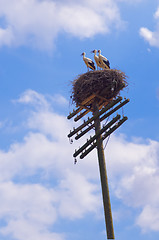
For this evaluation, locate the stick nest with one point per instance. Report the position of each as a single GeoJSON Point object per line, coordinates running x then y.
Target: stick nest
{"type": "Point", "coordinates": [104, 83]}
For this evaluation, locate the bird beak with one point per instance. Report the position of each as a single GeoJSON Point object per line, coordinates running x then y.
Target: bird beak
{"type": "Point", "coordinates": [81, 54]}
{"type": "Point", "coordinates": [92, 51]}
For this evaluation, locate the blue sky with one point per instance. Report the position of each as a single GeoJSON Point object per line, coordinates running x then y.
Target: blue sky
{"type": "Point", "coordinates": [44, 196]}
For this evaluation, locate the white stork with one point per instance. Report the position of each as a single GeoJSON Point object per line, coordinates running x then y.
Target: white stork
{"type": "Point", "coordinates": [104, 61]}
{"type": "Point", "coordinates": [89, 63]}
{"type": "Point", "coordinates": [96, 58]}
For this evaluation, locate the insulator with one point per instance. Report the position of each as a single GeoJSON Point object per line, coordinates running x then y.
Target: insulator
{"type": "Point", "coordinates": [71, 141]}
{"type": "Point", "coordinates": [75, 161]}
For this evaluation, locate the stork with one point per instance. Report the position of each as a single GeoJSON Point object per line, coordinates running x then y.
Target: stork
{"type": "Point", "coordinates": [89, 63]}
{"type": "Point", "coordinates": [104, 61]}
{"type": "Point", "coordinates": [96, 58]}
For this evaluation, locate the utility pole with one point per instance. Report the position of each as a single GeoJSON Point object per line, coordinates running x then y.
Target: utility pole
{"type": "Point", "coordinates": [103, 177]}
{"type": "Point", "coordinates": [101, 109]}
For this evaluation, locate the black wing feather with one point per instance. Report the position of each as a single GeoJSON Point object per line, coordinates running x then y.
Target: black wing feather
{"type": "Point", "coordinates": [107, 63]}
{"type": "Point", "coordinates": [92, 65]}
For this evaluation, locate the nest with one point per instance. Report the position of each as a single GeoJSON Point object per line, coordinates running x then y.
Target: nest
{"type": "Point", "coordinates": [104, 83]}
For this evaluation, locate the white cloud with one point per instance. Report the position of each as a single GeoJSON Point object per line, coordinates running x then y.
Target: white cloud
{"type": "Point", "coordinates": [156, 15]}
{"type": "Point", "coordinates": [59, 100]}
{"type": "Point", "coordinates": [45, 155]}
{"type": "Point", "coordinates": [6, 36]}
{"type": "Point", "coordinates": [150, 214]}
{"type": "Point", "coordinates": [38, 23]}
{"type": "Point", "coordinates": [152, 37]}
{"type": "Point", "coordinates": [40, 185]}
{"type": "Point", "coordinates": [33, 98]}
{"type": "Point", "coordinates": [134, 168]}
{"type": "Point", "coordinates": [77, 197]}
{"type": "Point", "coordinates": [28, 211]}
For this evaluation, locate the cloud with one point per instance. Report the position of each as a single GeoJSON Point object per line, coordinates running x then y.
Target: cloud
{"type": "Point", "coordinates": [6, 36]}
{"type": "Point", "coordinates": [40, 185]}
{"type": "Point", "coordinates": [28, 211]}
{"type": "Point", "coordinates": [152, 37]}
{"type": "Point", "coordinates": [29, 200]}
{"type": "Point", "coordinates": [77, 197]}
{"type": "Point", "coordinates": [134, 168]}
{"type": "Point", "coordinates": [38, 23]}
{"type": "Point", "coordinates": [149, 215]}
{"type": "Point", "coordinates": [33, 98]}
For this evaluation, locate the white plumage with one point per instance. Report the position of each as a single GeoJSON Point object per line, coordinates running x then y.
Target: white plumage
{"type": "Point", "coordinates": [96, 58]}
{"type": "Point", "coordinates": [104, 61]}
{"type": "Point", "coordinates": [89, 63]}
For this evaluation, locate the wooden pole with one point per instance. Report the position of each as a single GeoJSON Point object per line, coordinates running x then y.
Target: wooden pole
{"type": "Point", "coordinates": [103, 177]}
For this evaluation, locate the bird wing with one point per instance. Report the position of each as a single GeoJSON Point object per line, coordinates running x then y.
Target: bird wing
{"type": "Point", "coordinates": [91, 63]}
{"type": "Point", "coordinates": [103, 58]}
{"type": "Point", "coordinates": [106, 62]}
{"type": "Point", "coordinates": [89, 60]}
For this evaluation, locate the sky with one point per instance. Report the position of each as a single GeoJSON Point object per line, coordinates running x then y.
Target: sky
{"type": "Point", "coordinates": [44, 195]}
